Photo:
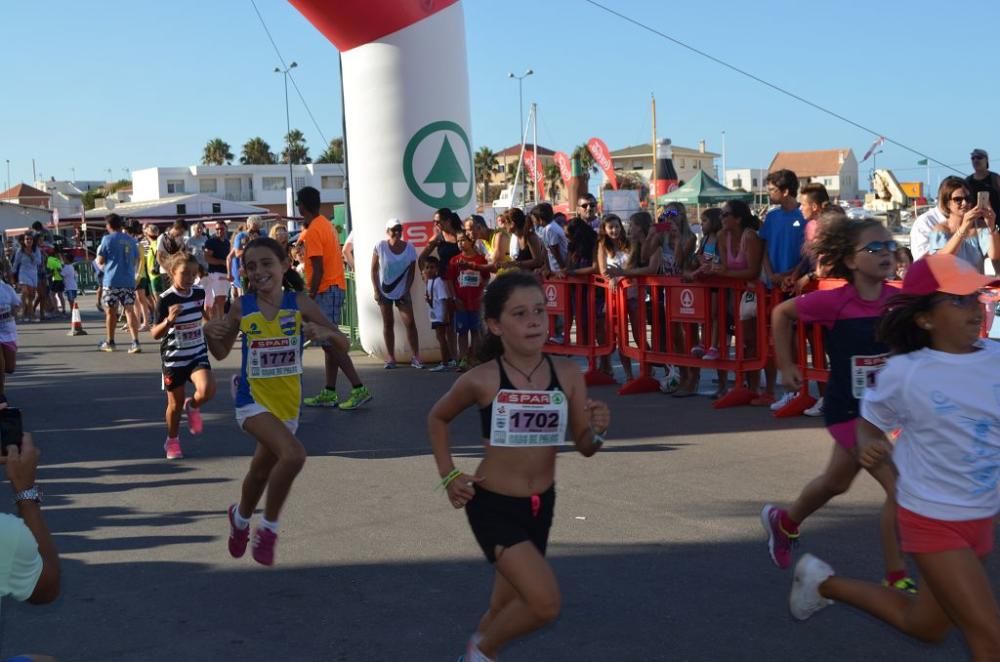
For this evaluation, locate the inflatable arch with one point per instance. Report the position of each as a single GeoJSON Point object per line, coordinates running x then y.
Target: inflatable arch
{"type": "Point", "coordinates": [406, 98]}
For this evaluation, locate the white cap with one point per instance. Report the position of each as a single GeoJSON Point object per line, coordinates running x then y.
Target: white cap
{"type": "Point", "coordinates": [392, 223]}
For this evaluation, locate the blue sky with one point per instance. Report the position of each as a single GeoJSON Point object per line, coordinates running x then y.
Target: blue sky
{"type": "Point", "coordinates": [138, 84]}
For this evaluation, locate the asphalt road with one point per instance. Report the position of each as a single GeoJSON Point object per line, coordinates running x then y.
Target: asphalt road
{"type": "Point", "coordinates": [656, 542]}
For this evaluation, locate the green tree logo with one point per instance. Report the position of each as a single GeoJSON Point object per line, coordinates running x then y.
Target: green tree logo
{"type": "Point", "coordinates": [446, 169]}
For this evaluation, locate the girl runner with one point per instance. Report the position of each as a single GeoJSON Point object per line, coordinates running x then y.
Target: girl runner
{"type": "Point", "coordinates": [939, 386]}
{"type": "Point", "coordinates": [526, 402]}
{"type": "Point", "coordinates": [862, 253]}
{"type": "Point", "coordinates": [269, 389]}
{"type": "Point", "coordinates": [183, 353]}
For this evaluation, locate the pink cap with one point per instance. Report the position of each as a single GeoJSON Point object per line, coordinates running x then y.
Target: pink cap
{"type": "Point", "coordinates": [944, 273]}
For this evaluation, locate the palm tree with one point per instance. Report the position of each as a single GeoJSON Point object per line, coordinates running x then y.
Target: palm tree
{"type": "Point", "coordinates": [553, 181]}
{"type": "Point", "coordinates": [217, 152]}
{"type": "Point", "coordinates": [334, 152]}
{"type": "Point", "coordinates": [295, 147]}
{"type": "Point", "coordinates": [486, 165]}
{"type": "Point", "coordinates": [586, 160]}
{"type": "Point", "coordinates": [256, 152]}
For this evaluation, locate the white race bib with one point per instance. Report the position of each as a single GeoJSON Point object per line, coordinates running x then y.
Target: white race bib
{"type": "Point", "coordinates": [863, 371]}
{"type": "Point", "coordinates": [529, 418]}
{"type": "Point", "coordinates": [274, 357]}
{"type": "Point", "coordinates": [188, 335]}
{"type": "Point", "coordinates": [469, 279]}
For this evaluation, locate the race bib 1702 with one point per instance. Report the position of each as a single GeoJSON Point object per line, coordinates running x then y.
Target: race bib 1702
{"type": "Point", "coordinates": [529, 418]}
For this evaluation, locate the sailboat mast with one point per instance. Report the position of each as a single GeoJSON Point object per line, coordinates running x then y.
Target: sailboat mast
{"type": "Point", "coordinates": [652, 172]}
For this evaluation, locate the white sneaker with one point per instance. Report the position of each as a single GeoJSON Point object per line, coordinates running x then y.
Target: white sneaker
{"type": "Point", "coordinates": [805, 599]}
{"type": "Point", "coordinates": [784, 400]}
{"type": "Point", "coordinates": [816, 409]}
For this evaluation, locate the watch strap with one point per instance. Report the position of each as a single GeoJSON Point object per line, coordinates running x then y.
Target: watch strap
{"type": "Point", "coordinates": [30, 494]}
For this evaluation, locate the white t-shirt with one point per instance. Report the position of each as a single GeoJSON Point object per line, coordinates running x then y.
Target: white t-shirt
{"type": "Point", "coordinates": [69, 276]}
{"type": "Point", "coordinates": [553, 235]}
{"type": "Point", "coordinates": [392, 269]}
{"type": "Point", "coordinates": [8, 300]}
{"type": "Point", "coordinates": [437, 296]}
{"type": "Point", "coordinates": [920, 232]}
{"type": "Point", "coordinates": [948, 453]}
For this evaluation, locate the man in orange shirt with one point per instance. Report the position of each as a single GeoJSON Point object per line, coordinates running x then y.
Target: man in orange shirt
{"type": "Point", "coordinates": [326, 284]}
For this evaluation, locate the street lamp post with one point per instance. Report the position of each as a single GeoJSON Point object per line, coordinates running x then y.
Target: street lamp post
{"type": "Point", "coordinates": [520, 117]}
{"type": "Point", "coordinates": [288, 133]}
{"type": "Point", "coordinates": [8, 176]}
{"type": "Point", "coordinates": [724, 182]}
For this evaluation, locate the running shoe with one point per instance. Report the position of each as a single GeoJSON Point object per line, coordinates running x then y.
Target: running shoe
{"type": "Point", "coordinates": [440, 367]}
{"type": "Point", "coordinates": [143, 327]}
{"type": "Point", "coordinates": [415, 363]}
{"type": "Point", "coordinates": [172, 447]}
{"type": "Point", "coordinates": [106, 346]}
{"type": "Point", "coordinates": [325, 398]}
{"type": "Point", "coordinates": [194, 417]}
{"type": "Point", "coordinates": [389, 365]}
{"type": "Point", "coordinates": [359, 396]}
{"type": "Point", "coordinates": [264, 541]}
{"type": "Point", "coordinates": [805, 599]}
{"type": "Point", "coordinates": [698, 351]}
{"type": "Point", "coordinates": [784, 400]}
{"type": "Point", "coordinates": [712, 354]}
{"type": "Point", "coordinates": [463, 365]}
{"type": "Point", "coordinates": [134, 348]}
{"type": "Point", "coordinates": [238, 538]}
{"type": "Point", "coordinates": [672, 381]}
{"type": "Point", "coordinates": [906, 585]}
{"type": "Point", "coordinates": [816, 409]}
{"type": "Point", "coordinates": [779, 541]}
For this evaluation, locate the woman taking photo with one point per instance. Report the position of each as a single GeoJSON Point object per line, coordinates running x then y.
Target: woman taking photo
{"type": "Point", "coordinates": [968, 231]}
{"type": "Point", "coordinates": [393, 268]}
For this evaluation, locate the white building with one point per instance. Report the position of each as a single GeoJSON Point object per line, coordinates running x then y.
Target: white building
{"type": "Point", "coordinates": [259, 185]}
{"type": "Point", "coordinates": [836, 169]}
{"type": "Point", "coordinates": [638, 159]}
{"type": "Point", "coordinates": [751, 180]}
{"type": "Point", "coordinates": [17, 217]}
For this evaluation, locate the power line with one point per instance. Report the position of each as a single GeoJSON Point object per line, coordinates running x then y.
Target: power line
{"type": "Point", "coordinates": [284, 66]}
{"type": "Point", "coordinates": [760, 80]}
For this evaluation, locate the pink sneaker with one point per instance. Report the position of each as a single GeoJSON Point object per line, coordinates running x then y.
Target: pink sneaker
{"type": "Point", "coordinates": [238, 538]}
{"type": "Point", "coordinates": [779, 542]}
{"type": "Point", "coordinates": [194, 417]}
{"type": "Point", "coordinates": [264, 541]}
{"type": "Point", "coordinates": [712, 354]}
{"type": "Point", "coordinates": [698, 351]}
{"type": "Point", "coordinates": [173, 449]}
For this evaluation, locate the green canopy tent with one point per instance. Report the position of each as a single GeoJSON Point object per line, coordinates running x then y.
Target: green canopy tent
{"type": "Point", "coordinates": [703, 190]}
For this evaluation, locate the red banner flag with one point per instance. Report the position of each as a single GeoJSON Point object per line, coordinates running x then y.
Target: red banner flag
{"type": "Point", "coordinates": [565, 170]}
{"type": "Point", "coordinates": [602, 157]}
{"type": "Point", "coordinates": [534, 168]}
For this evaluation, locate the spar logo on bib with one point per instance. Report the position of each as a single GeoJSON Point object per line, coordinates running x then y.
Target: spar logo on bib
{"type": "Point", "coordinates": [435, 173]}
{"type": "Point", "coordinates": [513, 397]}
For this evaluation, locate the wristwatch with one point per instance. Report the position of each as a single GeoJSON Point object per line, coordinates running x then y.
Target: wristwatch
{"type": "Point", "coordinates": [30, 494]}
{"type": "Point", "coordinates": [597, 438]}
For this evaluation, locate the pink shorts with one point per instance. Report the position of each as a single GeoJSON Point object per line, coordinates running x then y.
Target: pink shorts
{"type": "Point", "coordinates": [845, 434]}
{"type": "Point", "coordinates": [12, 346]}
{"type": "Point", "coordinates": [924, 535]}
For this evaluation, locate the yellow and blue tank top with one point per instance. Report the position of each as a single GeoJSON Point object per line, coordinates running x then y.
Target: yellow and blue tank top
{"type": "Point", "coordinates": [271, 371]}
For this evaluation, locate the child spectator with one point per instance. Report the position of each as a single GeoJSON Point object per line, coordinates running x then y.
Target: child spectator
{"type": "Point", "coordinates": [439, 306]}
{"type": "Point", "coordinates": [69, 280]}
{"type": "Point", "coordinates": [470, 271]}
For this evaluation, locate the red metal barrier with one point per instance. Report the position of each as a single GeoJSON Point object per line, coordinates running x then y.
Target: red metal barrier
{"type": "Point", "coordinates": [584, 303]}
{"type": "Point", "coordinates": [668, 310]}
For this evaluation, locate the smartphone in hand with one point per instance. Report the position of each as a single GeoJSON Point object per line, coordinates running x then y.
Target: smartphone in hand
{"type": "Point", "coordinates": [983, 199]}
{"type": "Point", "coordinates": [11, 430]}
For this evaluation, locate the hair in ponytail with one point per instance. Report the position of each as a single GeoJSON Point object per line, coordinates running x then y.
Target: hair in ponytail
{"type": "Point", "coordinates": [494, 299]}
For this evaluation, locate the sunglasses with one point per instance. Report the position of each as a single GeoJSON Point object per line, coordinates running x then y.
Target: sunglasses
{"type": "Point", "coordinates": [978, 158]}
{"type": "Point", "coordinates": [670, 213]}
{"type": "Point", "coordinates": [959, 199]}
{"type": "Point", "coordinates": [879, 246]}
{"type": "Point", "coordinates": [397, 228]}
{"type": "Point", "coordinates": [588, 205]}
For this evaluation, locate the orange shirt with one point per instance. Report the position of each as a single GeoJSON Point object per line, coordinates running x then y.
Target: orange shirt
{"type": "Point", "coordinates": [321, 241]}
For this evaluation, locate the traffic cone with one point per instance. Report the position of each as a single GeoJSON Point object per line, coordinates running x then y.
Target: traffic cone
{"type": "Point", "coordinates": [76, 324]}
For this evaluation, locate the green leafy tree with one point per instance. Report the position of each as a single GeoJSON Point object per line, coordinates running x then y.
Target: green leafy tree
{"type": "Point", "coordinates": [630, 181]}
{"type": "Point", "coordinates": [334, 152]}
{"type": "Point", "coordinates": [486, 165]}
{"type": "Point", "coordinates": [553, 181]}
{"type": "Point", "coordinates": [217, 152]}
{"type": "Point", "coordinates": [89, 197]}
{"type": "Point", "coordinates": [256, 152]}
{"type": "Point", "coordinates": [295, 148]}
{"type": "Point", "coordinates": [586, 160]}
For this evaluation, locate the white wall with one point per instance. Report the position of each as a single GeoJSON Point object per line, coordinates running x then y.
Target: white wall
{"type": "Point", "coordinates": [151, 183]}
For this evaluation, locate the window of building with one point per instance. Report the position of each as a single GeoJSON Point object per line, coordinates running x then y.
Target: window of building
{"type": "Point", "coordinates": [208, 186]}
{"type": "Point", "coordinates": [175, 186]}
{"type": "Point", "coordinates": [300, 182]}
{"type": "Point", "coordinates": [331, 182]}
{"type": "Point", "coordinates": [273, 183]}
{"type": "Point", "coordinates": [216, 207]}
{"type": "Point", "coordinates": [737, 182]}
{"type": "Point", "coordinates": [697, 165]}
{"type": "Point", "coordinates": [755, 182]}
{"type": "Point", "coordinates": [636, 164]}
{"type": "Point", "coordinates": [680, 163]}
{"type": "Point", "coordinates": [182, 209]}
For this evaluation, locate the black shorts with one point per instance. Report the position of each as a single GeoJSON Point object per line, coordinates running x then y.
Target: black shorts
{"type": "Point", "coordinates": [498, 519]}
{"type": "Point", "coordinates": [178, 376]}
{"type": "Point", "coordinates": [58, 286]}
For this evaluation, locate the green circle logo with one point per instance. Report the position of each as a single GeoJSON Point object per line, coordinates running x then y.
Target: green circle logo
{"type": "Point", "coordinates": [446, 169]}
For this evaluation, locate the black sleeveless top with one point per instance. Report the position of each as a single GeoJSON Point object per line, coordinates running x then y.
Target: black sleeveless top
{"type": "Point", "coordinates": [523, 255]}
{"type": "Point", "coordinates": [486, 413]}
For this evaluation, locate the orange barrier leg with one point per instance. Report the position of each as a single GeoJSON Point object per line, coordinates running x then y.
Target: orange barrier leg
{"type": "Point", "coordinates": [738, 396]}
{"type": "Point", "coordinates": [644, 384]}
{"type": "Point", "coordinates": [798, 404]}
